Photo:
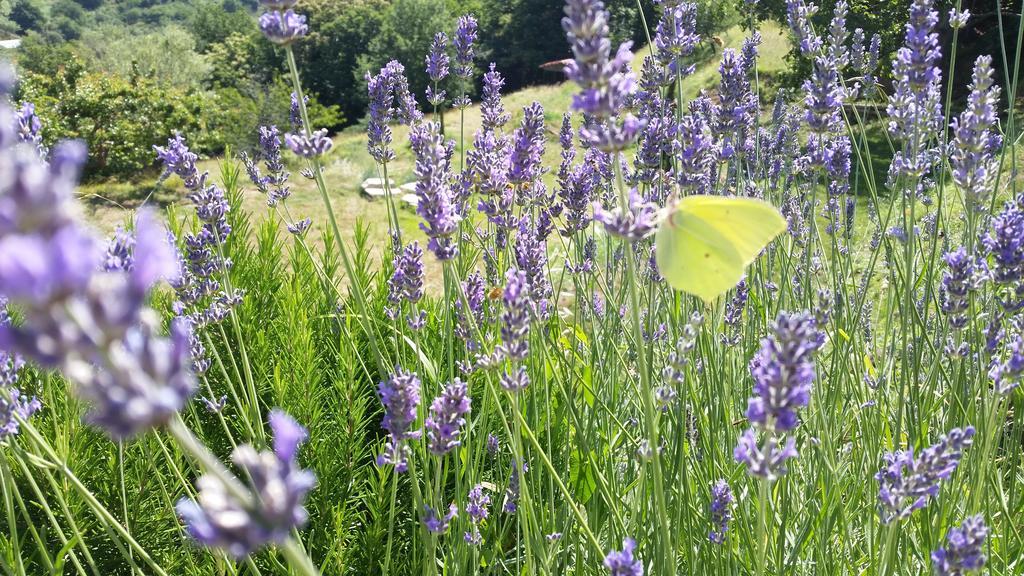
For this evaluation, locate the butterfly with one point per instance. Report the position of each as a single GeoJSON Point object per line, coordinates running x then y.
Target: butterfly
{"type": "Point", "coordinates": [705, 243]}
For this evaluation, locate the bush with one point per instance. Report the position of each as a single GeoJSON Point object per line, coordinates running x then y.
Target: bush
{"type": "Point", "coordinates": [119, 118]}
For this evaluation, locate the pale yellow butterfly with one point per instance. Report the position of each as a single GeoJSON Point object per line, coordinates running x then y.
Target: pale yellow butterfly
{"type": "Point", "coordinates": [705, 244]}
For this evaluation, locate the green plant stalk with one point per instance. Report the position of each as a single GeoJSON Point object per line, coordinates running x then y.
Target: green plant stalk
{"type": "Point", "coordinates": [647, 401]}
{"type": "Point", "coordinates": [97, 507]}
{"type": "Point", "coordinates": [357, 289]}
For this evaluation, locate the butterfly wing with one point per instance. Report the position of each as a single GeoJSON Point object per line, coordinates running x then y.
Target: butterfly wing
{"type": "Point", "coordinates": [748, 223]}
{"type": "Point", "coordinates": [696, 258]}
{"type": "Point", "coordinates": [705, 245]}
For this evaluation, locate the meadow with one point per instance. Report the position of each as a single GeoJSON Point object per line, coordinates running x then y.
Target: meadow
{"type": "Point", "coordinates": [256, 371]}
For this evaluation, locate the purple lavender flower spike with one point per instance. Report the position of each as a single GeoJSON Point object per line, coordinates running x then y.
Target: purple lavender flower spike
{"type": "Point", "coordinates": [768, 462]}
{"type": "Point", "coordinates": [433, 188]}
{"type": "Point", "coordinates": [633, 224]}
{"type": "Point", "coordinates": [798, 15]}
{"type": "Point", "coordinates": [492, 113]}
{"type": "Point", "coordinates": [465, 37]}
{"type": "Point", "coordinates": [476, 509]}
{"type": "Point", "coordinates": [437, 67]}
{"type": "Point", "coordinates": [907, 483]}
{"type": "Point", "coordinates": [964, 552]}
{"type": "Point", "coordinates": [957, 282]}
{"type": "Point", "coordinates": [1004, 244]}
{"type": "Point", "coordinates": [958, 18]}
{"type": "Point", "coordinates": [447, 416]}
{"type": "Point", "coordinates": [29, 128]}
{"type": "Point", "coordinates": [527, 149]}
{"type": "Point", "coordinates": [622, 562]}
{"type": "Point", "coordinates": [14, 405]}
{"type": "Point", "coordinates": [606, 83]}
{"type": "Point", "coordinates": [400, 396]}
{"type": "Point", "coordinates": [515, 320]}
{"type": "Point", "coordinates": [299, 227]}
{"type": "Point", "coordinates": [120, 252]}
{"type": "Point", "coordinates": [676, 37]}
{"type": "Point", "coordinates": [437, 58]}
{"type": "Point", "coordinates": [275, 184]}
{"type": "Point", "coordinates": [975, 140]}
{"type": "Point", "coordinates": [721, 511]}
{"type": "Point", "coordinates": [1006, 373]}
{"type": "Point", "coordinates": [914, 108]}
{"type": "Point", "coordinates": [437, 525]}
{"type": "Point", "coordinates": [276, 488]}
{"type": "Point", "coordinates": [783, 372]}
{"type": "Point", "coordinates": [316, 144]}
{"type": "Point", "coordinates": [515, 380]}
{"type": "Point", "coordinates": [381, 111]}
{"type": "Point", "coordinates": [283, 27]}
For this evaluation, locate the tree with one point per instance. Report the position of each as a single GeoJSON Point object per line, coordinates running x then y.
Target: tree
{"type": "Point", "coordinates": [405, 35]}
{"type": "Point", "coordinates": [27, 16]}
{"type": "Point", "coordinates": [329, 57]}
{"type": "Point", "coordinates": [119, 118]}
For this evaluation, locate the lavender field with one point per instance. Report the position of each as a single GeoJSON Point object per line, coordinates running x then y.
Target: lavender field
{"type": "Point", "coordinates": [664, 330]}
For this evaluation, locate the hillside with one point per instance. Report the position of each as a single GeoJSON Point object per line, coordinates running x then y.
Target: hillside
{"type": "Point", "coordinates": [348, 164]}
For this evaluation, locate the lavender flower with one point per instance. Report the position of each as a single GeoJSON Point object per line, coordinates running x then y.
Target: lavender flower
{"type": "Point", "coordinates": [299, 227]}
{"type": "Point", "coordinates": [798, 15]}
{"type": "Point", "coordinates": [515, 320]}
{"type": "Point", "coordinates": [964, 551]}
{"type": "Point", "coordinates": [400, 396]}
{"type": "Point", "coordinates": [492, 113]}
{"type": "Point", "coordinates": [527, 149]}
{"type": "Point", "coordinates": [531, 257]}
{"type": "Point", "coordinates": [1004, 244]}
{"type": "Point", "coordinates": [14, 405]}
{"type": "Point", "coordinates": [437, 67]}
{"type": "Point", "coordinates": [275, 491]}
{"type": "Point", "coordinates": [474, 289]}
{"type": "Point", "coordinates": [633, 224]}
{"type": "Point", "coordinates": [606, 83]}
{"type": "Point", "coordinates": [29, 127]}
{"type": "Point", "coordinates": [515, 380]}
{"type": "Point", "coordinates": [738, 105]}
{"type": "Point", "coordinates": [295, 112]}
{"type": "Point", "coordinates": [274, 184]}
{"type": "Point", "coordinates": [283, 27]}
{"type": "Point", "coordinates": [120, 252]}
{"type": "Point", "coordinates": [437, 58]}
{"type": "Point", "coordinates": [767, 462]}
{"type": "Point", "coordinates": [316, 144]}
{"type": "Point", "coordinates": [446, 418]}
{"type": "Point", "coordinates": [676, 37]}
{"type": "Point", "coordinates": [837, 34]}
{"type": "Point", "coordinates": [914, 108]}
{"type": "Point", "coordinates": [214, 406]}
{"type": "Point", "coordinates": [783, 372]}
{"type": "Point", "coordinates": [465, 36]}
{"type": "Point", "coordinates": [622, 563]}
{"type": "Point", "coordinates": [381, 111]}
{"type": "Point", "coordinates": [439, 525]}
{"type": "Point", "coordinates": [721, 511]}
{"type": "Point", "coordinates": [907, 483]}
{"type": "Point", "coordinates": [476, 508]}
{"type": "Point", "coordinates": [433, 188]}
{"type": "Point", "coordinates": [92, 325]}
{"type": "Point", "coordinates": [1006, 373]}
{"type": "Point", "coordinates": [734, 313]}
{"type": "Point", "coordinates": [975, 140]}
{"type": "Point", "coordinates": [958, 18]}
{"type": "Point", "coordinates": [957, 282]}
{"type": "Point", "coordinates": [406, 282]}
